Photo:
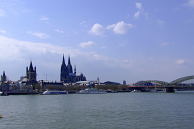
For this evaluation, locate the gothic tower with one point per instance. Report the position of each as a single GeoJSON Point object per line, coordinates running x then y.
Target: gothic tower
{"type": "Point", "coordinates": [31, 73]}
{"type": "Point", "coordinates": [69, 67]}
{"type": "Point", "coordinates": [64, 71]}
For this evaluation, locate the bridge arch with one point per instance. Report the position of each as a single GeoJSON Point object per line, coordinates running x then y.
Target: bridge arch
{"type": "Point", "coordinates": [178, 81]}
{"type": "Point", "coordinates": [163, 83]}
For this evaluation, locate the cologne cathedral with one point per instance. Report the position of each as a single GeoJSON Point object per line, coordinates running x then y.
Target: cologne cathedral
{"type": "Point", "coordinates": [67, 73]}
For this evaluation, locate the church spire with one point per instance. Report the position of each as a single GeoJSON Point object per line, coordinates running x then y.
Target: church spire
{"type": "Point", "coordinates": [31, 67]}
{"type": "Point", "coordinates": [30, 63]}
{"type": "Point", "coordinates": [63, 62]}
{"type": "Point", "coordinates": [69, 67]}
{"type": "Point", "coordinates": [3, 73]}
{"type": "Point", "coordinates": [69, 62]}
{"type": "Point", "coordinates": [64, 71]}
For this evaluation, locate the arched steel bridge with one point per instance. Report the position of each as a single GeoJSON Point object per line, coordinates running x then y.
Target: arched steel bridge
{"type": "Point", "coordinates": [163, 83]}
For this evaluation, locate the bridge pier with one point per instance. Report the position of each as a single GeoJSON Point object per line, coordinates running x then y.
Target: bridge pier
{"type": "Point", "coordinates": [169, 89]}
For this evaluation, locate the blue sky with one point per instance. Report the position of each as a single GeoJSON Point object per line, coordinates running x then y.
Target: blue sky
{"type": "Point", "coordinates": [114, 40]}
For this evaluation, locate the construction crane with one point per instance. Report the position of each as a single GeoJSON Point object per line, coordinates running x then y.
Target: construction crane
{"type": "Point", "coordinates": [46, 75]}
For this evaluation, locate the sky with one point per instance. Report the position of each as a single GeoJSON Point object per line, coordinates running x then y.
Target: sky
{"type": "Point", "coordinates": [114, 40]}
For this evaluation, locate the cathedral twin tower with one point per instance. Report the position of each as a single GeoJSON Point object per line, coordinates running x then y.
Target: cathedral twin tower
{"type": "Point", "coordinates": [67, 75]}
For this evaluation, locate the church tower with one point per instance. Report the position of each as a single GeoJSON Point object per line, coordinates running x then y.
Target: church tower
{"type": "Point", "coordinates": [3, 78]}
{"type": "Point", "coordinates": [31, 74]}
{"type": "Point", "coordinates": [64, 71]}
{"type": "Point", "coordinates": [69, 67]}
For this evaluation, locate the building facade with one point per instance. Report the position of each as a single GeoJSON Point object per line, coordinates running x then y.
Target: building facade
{"type": "Point", "coordinates": [67, 75]}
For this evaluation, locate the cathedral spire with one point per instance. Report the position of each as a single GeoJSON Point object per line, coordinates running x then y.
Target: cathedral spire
{"type": "Point", "coordinates": [69, 62]}
{"type": "Point", "coordinates": [64, 71]}
{"type": "Point", "coordinates": [63, 62]}
{"type": "Point", "coordinates": [69, 67]}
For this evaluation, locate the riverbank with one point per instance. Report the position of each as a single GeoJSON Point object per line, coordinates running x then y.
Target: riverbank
{"type": "Point", "coordinates": [23, 93]}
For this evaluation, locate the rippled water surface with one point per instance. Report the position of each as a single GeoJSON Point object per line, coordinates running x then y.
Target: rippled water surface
{"type": "Point", "coordinates": [94, 111]}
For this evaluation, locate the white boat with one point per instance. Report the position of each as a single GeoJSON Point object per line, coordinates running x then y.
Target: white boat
{"type": "Point", "coordinates": [110, 91]}
{"type": "Point", "coordinates": [54, 92]}
{"type": "Point", "coordinates": [91, 91]}
{"type": "Point", "coordinates": [1, 93]}
{"type": "Point", "coordinates": [136, 90]}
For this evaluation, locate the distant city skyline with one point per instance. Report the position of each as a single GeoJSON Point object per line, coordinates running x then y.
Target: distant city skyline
{"type": "Point", "coordinates": [113, 40]}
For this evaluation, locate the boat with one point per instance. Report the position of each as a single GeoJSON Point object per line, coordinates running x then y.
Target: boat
{"type": "Point", "coordinates": [111, 91]}
{"type": "Point", "coordinates": [136, 90]}
{"type": "Point", "coordinates": [3, 94]}
{"type": "Point", "coordinates": [91, 91]}
{"type": "Point", "coordinates": [53, 92]}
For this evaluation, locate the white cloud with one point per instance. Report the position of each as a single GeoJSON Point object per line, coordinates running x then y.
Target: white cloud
{"type": "Point", "coordinates": [2, 13]}
{"type": "Point", "coordinates": [82, 22]}
{"type": "Point", "coordinates": [39, 35]}
{"type": "Point", "coordinates": [3, 31]}
{"type": "Point", "coordinates": [138, 5]}
{"type": "Point", "coordinates": [140, 10]}
{"type": "Point", "coordinates": [57, 30]}
{"type": "Point", "coordinates": [121, 27]}
{"type": "Point", "coordinates": [87, 44]}
{"type": "Point", "coordinates": [190, 3]}
{"type": "Point", "coordinates": [136, 15]}
{"type": "Point", "coordinates": [44, 18]}
{"type": "Point", "coordinates": [160, 22]}
{"type": "Point", "coordinates": [180, 61]}
{"type": "Point", "coordinates": [12, 47]}
{"type": "Point", "coordinates": [97, 29]}
{"type": "Point", "coordinates": [110, 26]}
{"type": "Point", "coordinates": [112, 62]}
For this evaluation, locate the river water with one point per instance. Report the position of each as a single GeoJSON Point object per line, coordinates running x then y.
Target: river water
{"type": "Point", "coordinates": [94, 111]}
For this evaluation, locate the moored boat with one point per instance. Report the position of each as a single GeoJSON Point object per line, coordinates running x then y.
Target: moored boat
{"type": "Point", "coordinates": [91, 91]}
{"type": "Point", "coordinates": [136, 90]}
{"type": "Point", "coordinates": [111, 91]}
{"type": "Point", "coordinates": [3, 94]}
{"type": "Point", "coordinates": [53, 92]}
